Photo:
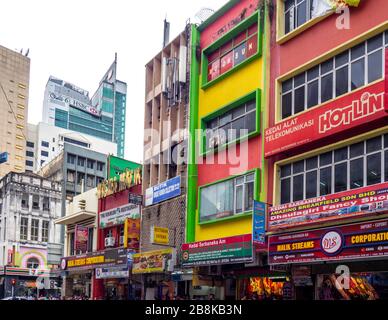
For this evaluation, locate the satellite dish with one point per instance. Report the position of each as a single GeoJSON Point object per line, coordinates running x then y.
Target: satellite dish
{"type": "Point", "coordinates": [204, 14]}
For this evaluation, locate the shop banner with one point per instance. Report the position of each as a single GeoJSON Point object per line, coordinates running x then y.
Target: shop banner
{"type": "Point", "coordinates": [98, 259]}
{"type": "Point", "coordinates": [359, 202]}
{"type": "Point", "coordinates": [159, 235]}
{"type": "Point", "coordinates": [236, 249]}
{"type": "Point", "coordinates": [112, 273]}
{"type": "Point", "coordinates": [81, 238]}
{"type": "Point", "coordinates": [132, 234]}
{"type": "Point", "coordinates": [153, 261]}
{"type": "Point", "coordinates": [118, 215]}
{"type": "Point", "coordinates": [353, 110]}
{"type": "Point", "coordinates": [135, 199]}
{"type": "Point", "coordinates": [352, 242]}
{"type": "Point", "coordinates": [164, 191]}
{"type": "Point", "coordinates": [259, 213]}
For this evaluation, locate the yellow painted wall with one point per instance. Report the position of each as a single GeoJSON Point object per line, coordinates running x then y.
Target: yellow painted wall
{"type": "Point", "coordinates": [237, 85]}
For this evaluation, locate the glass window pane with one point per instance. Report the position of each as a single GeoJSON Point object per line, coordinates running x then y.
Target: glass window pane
{"type": "Point", "coordinates": [311, 184]}
{"type": "Point", "coordinates": [358, 51]}
{"type": "Point", "coordinates": [327, 88]}
{"type": "Point", "coordinates": [357, 173]}
{"type": "Point", "coordinates": [341, 81]}
{"type": "Point", "coordinates": [238, 112]}
{"type": "Point", "coordinates": [312, 94]}
{"type": "Point", "coordinates": [342, 59]}
{"type": "Point", "coordinates": [208, 202]}
{"type": "Point", "coordinates": [299, 79]}
{"type": "Point", "coordinates": [225, 119]}
{"type": "Point", "coordinates": [301, 13]}
{"type": "Point", "coordinates": [325, 159]}
{"type": "Point", "coordinates": [357, 150]}
{"type": "Point", "coordinates": [287, 85]}
{"type": "Point", "coordinates": [312, 163]}
{"type": "Point", "coordinates": [298, 187]}
{"type": "Point", "coordinates": [375, 43]}
{"type": "Point", "coordinates": [375, 66]}
{"type": "Point", "coordinates": [238, 127]}
{"type": "Point", "coordinates": [250, 177]}
{"type": "Point", "coordinates": [374, 169]}
{"type": "Point", "coordinates": [250, 122]}
{"type": "Point", "coordinates": [288, 21]}
{"type": "Point", "coordinates": [341, 177]}
{"type": "Point", "coordinates": [239, 199]}
{"type": "Point", "coordinates": [249, 191]}
{"type": "Point", "coordinates": [326, 66]}
{"type": "Point", "coordinates": [358, 74]}
{"type": "Point", "coordinates": [341, 154]}
{"type": "Point", "coordinates": [298, 167]}
{"type": "Point", "coordinates": [299, 100]}
{"type": "Point", "coordinates": [325, 181]}
{"type": "Point", "coordinates": [374, 144]}
{"type": "Point", "coordinates": [251, 105]}
{"type": "Point", "coordinates": [386, 166]}
{"type": "Point", "coordinates": [285, 192]}
{"type": "Point", "coordinates": [313, 73]}
{"type": "Point", "coordinates": [285, 171]}
{"type": "Point", "coordinates": [386, 141]}
{"type": "Point", "coordinates": [287, 105]}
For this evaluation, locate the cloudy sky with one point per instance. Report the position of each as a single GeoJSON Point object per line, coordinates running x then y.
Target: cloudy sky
{"type": "Point", "coordinates": [75, 40]}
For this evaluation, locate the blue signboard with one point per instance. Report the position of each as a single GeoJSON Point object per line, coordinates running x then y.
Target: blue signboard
{"type": "Point", "coordinates": [3, 157]}
{"type": "Point", "coordinates": [164, 191]}
{"type": "Point", "coordinates": [258, 232]}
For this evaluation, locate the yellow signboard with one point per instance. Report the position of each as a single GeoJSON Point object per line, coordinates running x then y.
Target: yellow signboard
{"type": "Point", "coordinates": [152, 261]}
{"type": "Point", "coordinates": [159, 235]}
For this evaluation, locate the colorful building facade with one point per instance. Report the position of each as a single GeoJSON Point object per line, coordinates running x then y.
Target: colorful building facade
{"type": "Point", "coordinates": [326, 145]}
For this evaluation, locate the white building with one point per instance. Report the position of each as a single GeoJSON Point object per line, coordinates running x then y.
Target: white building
{"type": "Point", "coordinates": [30, 242]}
{"type": "Point", "coordinates": [45, 142]}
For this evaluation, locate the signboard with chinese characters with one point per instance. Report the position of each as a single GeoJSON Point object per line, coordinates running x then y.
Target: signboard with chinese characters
{"type": "Point", "coordinates": [351, 242]}
{"type": "Point", "coordinates": [359, 202]}
{"type": "Point", "coordinates": [236, 249]}
{"type": "Point", "coordinates": [352, 110]}
{"type": "Point", "coordinates": [117, 216]}
{"type": "Point", "coordinates": [164, 191]}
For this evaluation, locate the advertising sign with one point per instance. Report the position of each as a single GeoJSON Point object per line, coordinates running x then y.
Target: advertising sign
{"type": "Point", "coordinates": [359, 202]}
{"type": "Point", "coordinates": [81, 238]}
{"type": "Point", "coordinates": [71, 102]}
{"type": "Point", "coordinates": [98, 259]}
{"type": "Point", "coordinates": [159, 235]}
{"type": "Point", "coordinates": [112, 273]}
{"type": "Point", "coordinates": [213, 70]}
{"type": "Point", "coordinates": [152, 261]}
{"type": "Point", "coordinates": [135, 199]}
{"type": "Point", "coordinates": [227, 62]}
{"type": "Point", "coordinates": [3, 157]}
{"type": "Point", "coordinates": [117, 166]}
{"type": "Point", "coordinates": [118, 215]}
{"type": "Point", "coordinates": [132, 234]}
{"type": "Point", "coordinates": [259, 213]}
{"type": "Point", "coordinates": [352, 242]}
{"type": "Point", "coordinates": [353, 110]}
{"type": "Point", "coordinates": [236, 249]}
{"type": "Point", "coordinates": [164, 191]}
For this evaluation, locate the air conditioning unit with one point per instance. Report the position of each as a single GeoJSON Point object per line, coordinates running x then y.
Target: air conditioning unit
{"type": "Point", "coordinates": [110, 242]}
{"type": "Point", "coordinates": [121, 240]}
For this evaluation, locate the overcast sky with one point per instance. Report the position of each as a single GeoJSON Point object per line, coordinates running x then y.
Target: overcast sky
{"type": "Point", "coordinates": [75, 40]}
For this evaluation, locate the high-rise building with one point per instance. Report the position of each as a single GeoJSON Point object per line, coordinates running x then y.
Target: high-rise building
{"type": "Point", "coordinates": [102, 115]}
{"type": "Point", "coordinates": [14, 85]}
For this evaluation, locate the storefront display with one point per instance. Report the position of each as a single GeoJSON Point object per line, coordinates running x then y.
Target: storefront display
{"type": "Point", "coordinates": [264, 288]}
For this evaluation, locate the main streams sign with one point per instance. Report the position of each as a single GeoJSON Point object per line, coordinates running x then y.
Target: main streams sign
{"type": "Point", "coordinates": [236, 249]}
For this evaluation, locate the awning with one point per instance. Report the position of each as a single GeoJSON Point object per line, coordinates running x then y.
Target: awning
{"type": "Point", "coordinates": [75, 218]}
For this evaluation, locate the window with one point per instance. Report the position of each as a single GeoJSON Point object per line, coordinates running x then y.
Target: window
{"type": "Point", "coordinates": [90, 181]}
{"type": "Point", "coordinates": [71, 158]}
{"type": "Point", "coordinates": [80, 178]}
{"type": "Point", "coordinates": [70, 176]}
{"type": "Point", "coordinates": [29, 163]}
{"type": "Point", "coordinates": [76, 142]}
{"type": "Point", "coordinates": [71, 243]}
{"type": "Point", "coordinates": [33, 263]}
{"type": "Point", "coordinates": [90, 164]}
{"type": "Point", "coordinates": [100, 166]}
{"type": "Point", "coordinates": [24, 229]}
{"type": "Point", "coordinates": [228, 198]}
{"type": "Point", "coordinates": [296, 13]}
{"type": "Point", "coordinates": [35, 202]}
{"type": "Point", "coordinates": [30, 144]}
{"type": "Point", "coordinates": [335, 77]}
{"type": "Point", "coordinates": [44, 154]}
{"type": "Point", "coordinates": [45, 144]}
{"type": "Point", "coordinates": [90, 239]}
{"type": "Point", "coordinates": [231, 125]}
{"type": "Point", "coordinates": [232, 53]}
{"type": "Point", "coordinates": [61, 118]}
{"type": "Point", "coordinates": [34, 230]}
{"type": "Point", "coordinates": [46, 204]}
{"type": "Point", "coordinates": [29, 154]}
{"type": "Point", "coordinates": [45, 231]}
{"type": "Point", "coordinates": [81, 161]}
{"type": "Point", "coordinates": [355, 166]}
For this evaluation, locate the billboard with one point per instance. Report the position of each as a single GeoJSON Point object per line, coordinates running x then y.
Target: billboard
{"type": "Point", "coordinates": [152, 261]}
{"type": "Point", "coordinates": [117, 216]}
{"type": "Point", "coordinates": [118, 166]}
{"type": "Point", "coordinates": [164, 191]}
{"type": "Point", "coordinates": [132, 234]}
{"type": "Point", "coordinates": [352, 242]}
{"type": "Point", "coordinates": [342, 114]}
{"type": "Point", "coordinates": [237, 249]}
{"type": "Point", "coordinates": [258, 223]}
{"type": "Point", "coordinates": [159, 235]}
{"type": "Point", "coordinates": [81, 239]}
{"type": "Point", "coordinates": [354, 203]}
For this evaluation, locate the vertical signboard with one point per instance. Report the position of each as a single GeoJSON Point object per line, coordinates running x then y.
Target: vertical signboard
{"type": "Point", "coordinates": [258, 224]}
{"type": "Point", "coordinates": [132, 234]}
{"type": "Point", "coordinates": [81, 239]}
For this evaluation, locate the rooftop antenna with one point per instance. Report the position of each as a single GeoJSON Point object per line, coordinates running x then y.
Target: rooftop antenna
{"type": "Point", "coordinates": [28, 51]}
{"type": "Point", "coordinates": [166, 33]}
{"type": "Point", "coordinates": [204, 14]}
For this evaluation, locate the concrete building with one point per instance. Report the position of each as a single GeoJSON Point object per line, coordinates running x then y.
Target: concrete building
{"type": "Point", "coordinates": [77, 169]}
{"type": "Point", "coordinates": [102, 115]}
{"type": "Point", "coordinates": [82, 211]}
{"type": "Point", "coordinates": [29, 239]}
{"type": "Point", "coordinates": [165, 143]}
{"type": "Point", "coordinates": [14, 86]}
{"type": "Point", "coordinates": [45, 142]}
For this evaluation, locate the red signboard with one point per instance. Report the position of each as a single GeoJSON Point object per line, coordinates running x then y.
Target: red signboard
{"type": "Point", "coordinates": [81, 239]}
{"type": "Point", "coordinates": [227, 62]}
{"type": "Point", "coordinates": [251, 46]}
{"type": "Point", "coordinates": [351, 242]}
{"type": "Point", "coordinates": [349, 204]}
{"type": "Point", "coordinates": [213, 70]}
{"type": "Point", "coordinates": [342, 114]}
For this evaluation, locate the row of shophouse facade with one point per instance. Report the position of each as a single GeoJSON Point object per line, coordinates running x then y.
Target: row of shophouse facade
{"type": "Point", "coordinates": [265, 164]}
